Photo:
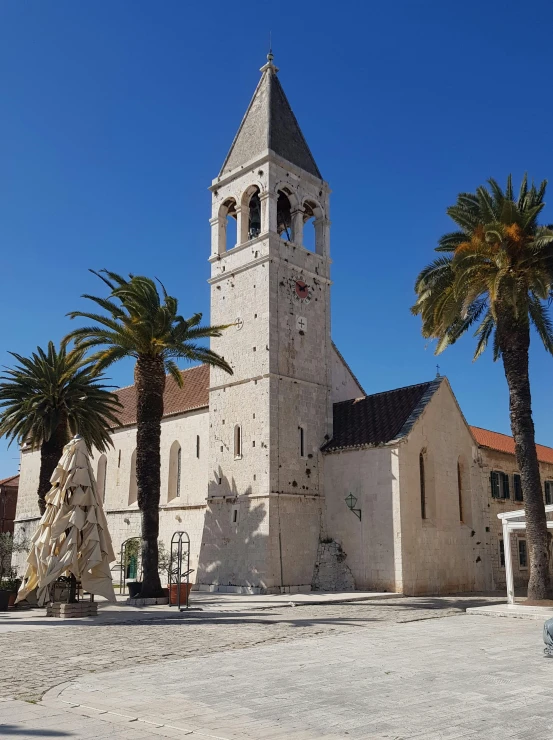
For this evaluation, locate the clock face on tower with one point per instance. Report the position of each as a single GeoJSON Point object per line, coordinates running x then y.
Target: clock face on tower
{"type": "Point", "coordinates": [301, 291]}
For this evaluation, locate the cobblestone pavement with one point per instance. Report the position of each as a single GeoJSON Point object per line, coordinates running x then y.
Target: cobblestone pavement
{"type": "Point", "coordinates": [40, 659]}
{"type": "Point", "coordinates": [465, 677]}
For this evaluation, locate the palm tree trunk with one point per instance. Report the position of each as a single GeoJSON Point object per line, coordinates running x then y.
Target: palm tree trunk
{"type": "Point", "coordinates": [514, 340]}
{"type": "Point", "coordinates": [150, 384]}
{"type": "Point", "coordinates": [50, 454]}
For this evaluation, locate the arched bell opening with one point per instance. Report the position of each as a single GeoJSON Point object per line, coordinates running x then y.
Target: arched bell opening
{"type": "Point", "coordinates": [250, 225]}
{"type": "Point", "coordinates": [227, 225]}
{"type": "Point", "coordinates": [312, 227]}
{"type": "Point", "coordinates": [284, 215]}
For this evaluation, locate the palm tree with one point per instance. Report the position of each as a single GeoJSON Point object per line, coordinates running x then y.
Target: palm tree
{"type": "Point", "coordinates": [139, 324]}
{"type": "Point", "coordinates": [49, 397]}
{"type": "Point", "coordinates": [497, 274]}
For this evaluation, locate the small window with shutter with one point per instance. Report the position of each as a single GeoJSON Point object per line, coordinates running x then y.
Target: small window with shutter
{"type": "Point", "coordinates": [517, 486]}
{"type": "Point", "coordinates": [522, 554]}
{"type": "Point", "coordinates": [499, 484]}
{"type": "Point", "coordinates": [496, 488]}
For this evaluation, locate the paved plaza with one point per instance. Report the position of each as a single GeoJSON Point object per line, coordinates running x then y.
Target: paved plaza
{"type": "Point", "coordinates": [395, 668]}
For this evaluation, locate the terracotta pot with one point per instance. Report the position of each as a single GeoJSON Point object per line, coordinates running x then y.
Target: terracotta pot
{"type": "Point", "coordinates": [174, 594]}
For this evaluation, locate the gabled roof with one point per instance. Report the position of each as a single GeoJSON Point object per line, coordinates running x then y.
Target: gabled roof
{"type": "Point", "coordinates": [11, 482]}
{"type": "Point", "coordinates": [193, 395]}
{"type": "Point", "coordinates": [505, 443]}
{"type": "Point", "coordinates": [380, 418]}
{"type": "Point", "coordinates": [269, 123]}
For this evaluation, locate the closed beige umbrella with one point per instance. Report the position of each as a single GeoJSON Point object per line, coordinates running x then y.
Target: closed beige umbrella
{"type": "Point", "coordinates": [72, 537]}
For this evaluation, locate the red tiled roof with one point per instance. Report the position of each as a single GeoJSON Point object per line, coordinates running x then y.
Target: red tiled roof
{"type": "Point", "coordinates": [504, 443]}
{"type": "Point", "coordinates": [193, 395]}
{"type": "Point", "coordinates": [11, 482]}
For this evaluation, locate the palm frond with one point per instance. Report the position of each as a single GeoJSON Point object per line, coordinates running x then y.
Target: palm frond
{"type": "Point", "coordinates": [500, 267]}
{"type": "Point", "coordinates": [52, 389]}
{"type": "Point", "coordinates": [542, 322]}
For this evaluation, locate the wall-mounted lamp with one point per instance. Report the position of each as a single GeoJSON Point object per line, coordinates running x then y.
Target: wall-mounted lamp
{"type": "Point", "coordinates": [178, 518]}
{"type": "Point", "coordinates": [127, 521]}
{"type": "Point", "coordinates": [351, 500]}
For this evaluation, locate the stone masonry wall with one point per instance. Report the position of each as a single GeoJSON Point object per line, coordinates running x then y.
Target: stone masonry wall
{"type": "Point", "coordinates": [442, 554]}
{"type": "Point", "coordinates": [183, 513]}
{"type": "Point", "coordinates": [500, 461]}
{"type": "Point", "coordinates": [371, 543]}
{"type": "Point", "coordinates": [344, 385]}
{"type": "Point", "coordinates": [332, 572]}
{"type": "Point", "coordinates": [279, 352]}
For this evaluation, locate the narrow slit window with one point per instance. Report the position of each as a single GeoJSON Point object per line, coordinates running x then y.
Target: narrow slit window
{"type": "Point", "coordinates": [237, 441]}
{"type": "Point", "coordinates": [422, 486]}
{"type": "Point", "coordinates": [175, 471]}
{"type": "Point", "coordinates": [501, 553]}
{"type": "Point", "coordinates": [548, 492]}
{"type": "Point", "coordinates": [179, 468]}
{"type": "Point", "coordinates": [133, 488]}
{"type": "Point", "coordinates": [198, 446]}
{"type": "Point", "coordinates": [101, 477]}
{"type": "Point", "coordinates": [302, 442]}
{"type": "Point", "coordinates": [104, 483]}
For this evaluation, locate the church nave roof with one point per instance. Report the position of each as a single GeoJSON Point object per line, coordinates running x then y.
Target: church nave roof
{"type": "Point", "coordinates": [379, 418]}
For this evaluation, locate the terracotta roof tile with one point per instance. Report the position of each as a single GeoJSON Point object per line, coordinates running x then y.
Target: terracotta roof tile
{"type": "Point", "coordinates": [11, 482]}
{"type": "Point", "coordinates": [193, 395]}
{"type": "Point", "coordinates": [380, 418]}
{"type": "Point", "coordinates": [504, 443]}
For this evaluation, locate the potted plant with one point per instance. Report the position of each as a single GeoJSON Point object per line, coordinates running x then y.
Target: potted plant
{"type": "Point", "coordinates": [168, 570]}
{"type": "Point", "coordinates": [9, 583]}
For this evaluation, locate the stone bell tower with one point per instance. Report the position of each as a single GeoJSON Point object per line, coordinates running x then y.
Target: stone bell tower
{"type": "Point", "coordinates": [268, 420]}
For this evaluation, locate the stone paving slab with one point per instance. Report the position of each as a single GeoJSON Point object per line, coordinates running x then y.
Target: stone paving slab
{"type": "Point", "coordinates": [24, 721]}
{"type": "Point", "coordinates": [39, 661]}
{"type": "Point", "coordinates": [513, 611]}
{"type": "Point", "coordinates": [436, 679]}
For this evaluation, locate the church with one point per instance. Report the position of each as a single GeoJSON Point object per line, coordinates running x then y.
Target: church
{"type": "Point", "coordinates": [286, 475]}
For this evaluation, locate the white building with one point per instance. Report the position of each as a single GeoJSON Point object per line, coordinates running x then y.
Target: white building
{"type": "Point", "coordinates": [257, 466]}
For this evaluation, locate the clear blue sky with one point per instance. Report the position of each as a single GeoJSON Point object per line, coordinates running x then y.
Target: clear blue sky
{"type": "Point", "coordinates": [117, 114]}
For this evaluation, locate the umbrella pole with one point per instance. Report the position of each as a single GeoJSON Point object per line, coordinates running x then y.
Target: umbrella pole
{"type": "Point", "coordinates": [72, 590]}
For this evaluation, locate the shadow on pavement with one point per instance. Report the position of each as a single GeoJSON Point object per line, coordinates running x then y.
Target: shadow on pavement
{"type": "Point", "coordinates": [14, 730]}
{"type": "Point", "coordinates": [291, 614]}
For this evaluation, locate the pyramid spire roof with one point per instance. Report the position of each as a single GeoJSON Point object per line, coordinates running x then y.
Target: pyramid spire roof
{"type": "Point", "coordinates": [269, 123]}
